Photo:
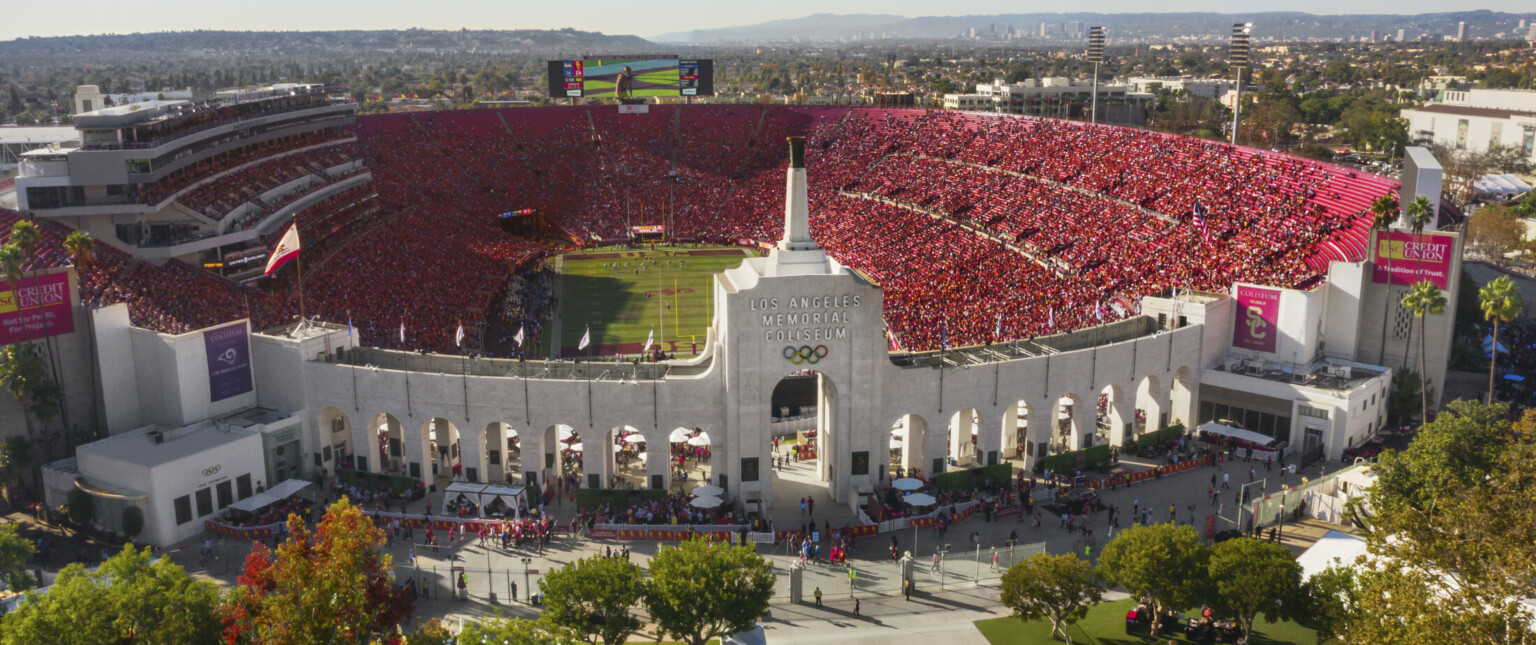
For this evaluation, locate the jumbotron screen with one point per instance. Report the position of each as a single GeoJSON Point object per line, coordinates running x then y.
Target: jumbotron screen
{"type": "Point", "coordinates": [630, 77]}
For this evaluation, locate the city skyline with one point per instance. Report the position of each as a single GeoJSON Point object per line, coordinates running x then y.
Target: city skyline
{"type": "Point", "coordinates": [94, 17]}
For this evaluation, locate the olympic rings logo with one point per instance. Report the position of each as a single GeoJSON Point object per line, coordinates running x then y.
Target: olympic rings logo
{"type": "Point", "coordinates": [805, 354]}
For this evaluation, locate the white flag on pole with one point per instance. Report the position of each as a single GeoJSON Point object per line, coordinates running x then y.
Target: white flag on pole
{"type": "Point", "coordinates": [648, 340]}
{"type": "Point", "coordinates": [519, 337]}
{"type": "Point", "coordinates": [402, 332]}
{"type": "Point", "coordinates": [586, 339]}
{"type": "Point", "coordinates": [1050, 318]}
{"type": "Point", "coordinates": [458, 337]}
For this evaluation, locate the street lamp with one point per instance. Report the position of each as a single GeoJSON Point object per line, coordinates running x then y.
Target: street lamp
{"type": "Point", "coordinates": [1239, 56]}
{"type": "Point", "coordinates": [1095, 56]}
{"type": "Point", "coordinates": [527, 577]}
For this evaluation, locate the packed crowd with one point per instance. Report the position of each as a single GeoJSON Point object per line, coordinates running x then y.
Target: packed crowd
{"type": "Point", "coordinates": [218, 197]}
{"type": "Point", "coordinates": [197, 171]}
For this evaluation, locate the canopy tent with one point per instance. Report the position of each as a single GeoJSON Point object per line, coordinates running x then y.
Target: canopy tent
{"type": "Point", "coordinates": [907, 483]}
{"type": "Point", "coordinates": [706, 502]}
{"type": "Point", "coordinates": [577, 447]}
{"type": "Point", "coordinates": [701, 440]}
{"type": "Point", "coordinates": [678, 436]}
{"type": "Point", "coordinates": [1488, 345]}
{"type": "Point", "coordinates": [566, 433]}
{"type": "Point", "coordinates": [634, 438]}
{"type": "Point", "coordinates": [1514, 377]}
{"type": "Point", "coordinates": [919, 499]}
{"type": "Point", "coordinates": [515, 497]}
{"type": "Point", "coordinates": [897, 444]}
{"type": "Point", "coordinates": [273, 495]}
{"type": "Point", "coordinates": [1213, 428]}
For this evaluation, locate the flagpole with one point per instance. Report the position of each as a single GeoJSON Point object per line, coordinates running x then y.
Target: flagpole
{"type": "Point", "coordinates": [300, 257]}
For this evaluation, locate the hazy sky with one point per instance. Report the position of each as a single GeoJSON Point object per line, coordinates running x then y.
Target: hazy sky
{"type": "Point", "coordinates": [19, 18]}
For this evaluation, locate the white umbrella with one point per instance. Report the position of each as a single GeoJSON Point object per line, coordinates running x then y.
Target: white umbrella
{"type": "Point", "coordinates": [907, 483]}
{"type": "Point", "coordinates": [577, 447]}
{"type": "Point", "coordinates": [701, 440]}
{"type": "Point", "coordinates": [679, 435]}
{"type": "Point", "coordinates": [634, 438]}
{"type": "Point", "coordinates": [511, 433]}
{"type": "Point", "coordinates": [708, 490]}
{"type": "Point", "coordinates": [706, 502]}
{"type": "Point", "coordinates": [920, 499]}
{"type": "Point", "coordinates": [566, 433]}
{"type": "Point", "coordinates": [896, 444]}
{"type": "Point", "coordinates": [643, 455]}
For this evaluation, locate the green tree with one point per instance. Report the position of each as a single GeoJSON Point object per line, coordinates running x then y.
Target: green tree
{"type": "Point", "coordinates": [15, 552]}
{"type": "Point", "coordinates": [329, 585]}
{"type": "Point", "coordinates": [1384, 211]}
{"type": "Point", "coordinates": [1495, 231]}
{"type": "Point", "coordinates": [1250, 577]}
{"type": "Point", "coordinates": [130, 599]}
{"type": "Point", "coordinates": [593, 597]}
{"type": "Point", "coordinates": [1057, 587]}
{"type": "Point", "coordinates": [1424, 299]}
{"type": "Point", "coordinates": [701, 590]}
{"type": "Point", "coordinates": [498, 630]}
{"type": "Point", "coordinates": [1500, 302]}
{"type": "Point", "coordinates": [1163, 562]}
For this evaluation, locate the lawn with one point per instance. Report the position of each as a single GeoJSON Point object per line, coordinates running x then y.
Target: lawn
{"type": "Point", "coordinates": [623, 304]}
{"type": "Point", "coordinates": [1105, 625]}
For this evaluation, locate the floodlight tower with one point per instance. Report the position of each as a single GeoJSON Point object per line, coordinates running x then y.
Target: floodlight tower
{"type": "Point", "coordinates": [1095, 56]}
{"type": "Point", "coordinates": [1239, 56]}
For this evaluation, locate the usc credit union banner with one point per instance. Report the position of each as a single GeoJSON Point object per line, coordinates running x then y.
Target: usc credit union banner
{"type": "Point", "coordinates": [38, 306]}
{"type": "Point", "coordinates": [1406, 259]}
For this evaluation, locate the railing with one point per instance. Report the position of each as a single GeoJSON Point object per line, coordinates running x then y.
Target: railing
{"type": "Point", "coordinates": [504, 367]}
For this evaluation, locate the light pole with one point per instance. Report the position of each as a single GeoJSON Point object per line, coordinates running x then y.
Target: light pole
{"type": "Point", "coordinates": [1239, 56]}
{"type": "Point", "coordinates": [527, 578]}
{"type": "Point", "coordinates": [1095, 56]}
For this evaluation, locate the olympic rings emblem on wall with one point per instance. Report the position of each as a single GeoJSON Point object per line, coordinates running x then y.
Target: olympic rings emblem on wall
{"type": "Point", "coordinates": [805, 354]}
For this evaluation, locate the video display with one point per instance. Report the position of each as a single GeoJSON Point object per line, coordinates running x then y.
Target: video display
{"type": "Point", "coordinates": [630, 77]}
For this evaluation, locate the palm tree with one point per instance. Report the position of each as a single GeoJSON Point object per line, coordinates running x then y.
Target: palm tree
{"type": "Point", "coordinates": [1385, 210]}
{"type": "Point", "coordinates": [1500, 303]}
{"type": "Point", "coordinates": [1423, 299]}
{"type": "Point", "coordinates": [80, 245]}
{"type": "Point", "coordinates": [27, 236]}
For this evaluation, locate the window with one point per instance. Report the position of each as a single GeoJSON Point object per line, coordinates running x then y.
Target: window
{"type": "Point", "coordinates": [243, 486]}
{"type": "Point", "coordinates": [1316, 413]}
{"type": "Point", "coordinates": [493, 457]}
{"type": "Point", "coordinates": [226, 494]}
{"type": "Point", "coordinates": [183, 510]}
{"type": "Point", "coordinates": [204, 502]}
{"type": "Point", "coordinates": [861, 463]}
{"type": "Point", "coordinates": [749, 469]}
{"type": "Point", "coordinates": [1495, 135]}
{"type": "Point", "coordinates": [138, 166]}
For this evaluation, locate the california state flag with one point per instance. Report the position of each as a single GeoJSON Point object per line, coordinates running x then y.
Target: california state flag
{"type": "Point", "coordinates": [287, 249]}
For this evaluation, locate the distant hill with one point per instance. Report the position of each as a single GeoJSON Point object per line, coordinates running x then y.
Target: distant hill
{"type": "Point", "coordinates": [194, 43]}
{"type": "Point", "coordinates": [1123, 27]}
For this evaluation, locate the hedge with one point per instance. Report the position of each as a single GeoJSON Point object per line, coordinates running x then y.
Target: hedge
{"type": "Point", "coordinates": [1069, 461]}
{"type": "Point", "coordinates": [1169, 433]}
{"type": "Point", "coordinates": [620, 498]}
{"type": "Point", "coordinates": [374, 481]}
{"type": "Point", "coordinates": [974, 477]}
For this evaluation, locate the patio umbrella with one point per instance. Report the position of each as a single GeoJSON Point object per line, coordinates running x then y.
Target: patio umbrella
{"type": "Point", "coordinates": [634, 438]}
{"type": "Point", "coordinates": [566, 433]}
{"type": "Point", "coordinates": [896, 444]}
{"type": "Point", "coordinates": [679, 435]}
{"type": "Point", "coordinates": [907, 483]}
{"type": "Point", "coordinates": [920, 499]}
{"type": "Point", "coordinates": [708, 490]}
{"type": "Point", "coordinates": [577, 447]}
{"type": "Point", "coordinates": [701, 440]}
{"type": "Point", "coordinates": [1514, 377]}
{"type": "Point", "coordinates": [706, 502]}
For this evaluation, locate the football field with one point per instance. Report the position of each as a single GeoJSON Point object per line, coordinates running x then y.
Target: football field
{"type": "Point", "coordinates": [622, 295]}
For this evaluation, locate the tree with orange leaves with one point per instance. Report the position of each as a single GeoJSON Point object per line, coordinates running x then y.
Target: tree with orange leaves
{"type": "Point", "coordinates": [327, 586]}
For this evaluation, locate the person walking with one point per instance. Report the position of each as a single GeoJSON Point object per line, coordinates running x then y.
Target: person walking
{"type": "Point", "coordinates": [855, 606]}
{"type": "Point", "coordinates": [1224, 481]}
{"type": "Point", "coordinates": [994, 559]}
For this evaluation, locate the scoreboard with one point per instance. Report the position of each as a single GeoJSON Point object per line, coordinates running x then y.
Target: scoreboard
{"type": "Point", "coordinates": [631, 77]}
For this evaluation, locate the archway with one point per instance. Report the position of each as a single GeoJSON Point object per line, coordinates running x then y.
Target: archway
{"type": "Point", "coordinates": [694, 452]}
{"type": "Point", "coordinates": [625, 457]}
{"type": "Point", "coordinates": [961, 440]}
{"type": "Point", "coordinates": [814, 456]}
{"type": "Point", "coordinates": [1017, 445]}
{"type": "Point", "coordinates": [1066, 436]}
{"type": "Point", "coordinates": [386, 441]}
{"type": "Point", "coordinates": [335, 438]}
{"type": "Point", "coordinates": [909, 443]}
{"type": "Point", "coordinates": [1151, 404]}
{"type": "Point", "coordinates": [1112, 416]}
{"type": "Point", "coordinates": [1184, 395]}
{"type": "Point", "coordinates": [562, 461]}
{"type": "Point", "coordinates": [502, 453]}
{"type": "Point", "coordinates": [444, 449]}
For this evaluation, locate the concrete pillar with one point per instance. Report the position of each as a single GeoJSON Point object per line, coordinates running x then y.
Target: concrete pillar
{"type": "Point", "coordinates": [961, 450]}
{"type": "Point", "coordinates": [1184, 401]}
{"type": "Point", "coordinates": [989, 443]}
{"type": "Point", "coordinates": [472, 452]}
{"type": "Point", "coordinates": [1122, 412]}
{"type": "Point", "coordinates": [914, 453]}
{"type": "Point", "coordinates": [658, 461]}
{"type": "Point", "coordinates": [1085, 413]}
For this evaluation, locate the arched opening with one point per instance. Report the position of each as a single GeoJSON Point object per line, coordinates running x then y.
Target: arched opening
{"type": "Point", "coordinates": [444, 450]}
{"type": "Point", "coordinates": [1111, 417]}
{"type": "Point", "coordinates": [960, 444]}
{"type": "Point", "coordinates": [562, 456]}
{"type": "Point", "coordinates": [503, 454]}
{"type": "Point", "coordinates": [1064, 438]}
{"type": "Point", "coordinates": [813, 458]}
{"type": "Point", "coordinates": [627, 457]}
{"type": "Point", "coordinates": [1017, 444]}
{"type": "Point", "coordinates": [388, 450]}
{"type": "Point", "coordinates": [689, 454]}
{"type": "Point", "coordinates": [909, 447]}
{"type": "Point", "coordinates": [335, 438]}
{"type": "Point", "coordinates": [1150, 405]}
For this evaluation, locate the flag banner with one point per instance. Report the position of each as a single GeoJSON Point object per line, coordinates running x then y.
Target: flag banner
{"type": "Point", "coordinates": [648, 340]}
{"type": "Point", "coordinates": [1050, 318]}
{"type": "Point", "coordinates": [349, 327]}
{"type": "Point", "coordinates": [1258, 316]}
{"type": "Point", "coordinates": [287, 249]}
{"type": "Point", "coordinates": [458, 337]}
{"type": "Point", "coordinates": [586, 339]}
{"type": "Point", "coordinates": [229, 361]}
{"type": "Point", "coordinates": [402, 332]}
{"type": "Point", "coordinates": [519, 337]}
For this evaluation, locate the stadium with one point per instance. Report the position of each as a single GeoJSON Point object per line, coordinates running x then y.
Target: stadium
{"type": "Point", "coordinates": [1036, 265]}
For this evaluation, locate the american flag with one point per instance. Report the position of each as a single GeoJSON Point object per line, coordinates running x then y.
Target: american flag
{"type": "Point", "coordinates": [1200, 221]}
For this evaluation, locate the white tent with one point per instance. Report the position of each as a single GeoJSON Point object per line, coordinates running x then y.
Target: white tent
{"type": "Point", "coordinates": [482, 495]}
{"type": "Point", "coordinates": [271, 496]}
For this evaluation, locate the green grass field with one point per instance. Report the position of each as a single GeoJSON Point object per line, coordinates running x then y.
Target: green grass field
{"type": "Point", "coordinates": [623, 306]}
{"type": "Point", "coordinates": [1105, 625]}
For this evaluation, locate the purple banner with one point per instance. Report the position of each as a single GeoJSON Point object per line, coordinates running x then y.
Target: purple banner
{"type": "Point", "coordinates": [1256, 323]}
{"type": "Point", "coordinates": [229, 361]}
{"type": "Point", "coordinates": [38, 307]}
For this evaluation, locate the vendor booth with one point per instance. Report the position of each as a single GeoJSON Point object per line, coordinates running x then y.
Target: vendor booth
{"type": "Point", "coordinates": [255, 508]}
{"type": "Point", "coordinates": [486, 500]}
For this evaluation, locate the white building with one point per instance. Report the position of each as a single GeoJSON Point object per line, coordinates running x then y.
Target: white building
{"type": "Point", "coordinates": [1477, 119]}
{"type": "Point", "coordinates": [1209, 88]}
{"type": "Point", "coordinates": [1055, 97]}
